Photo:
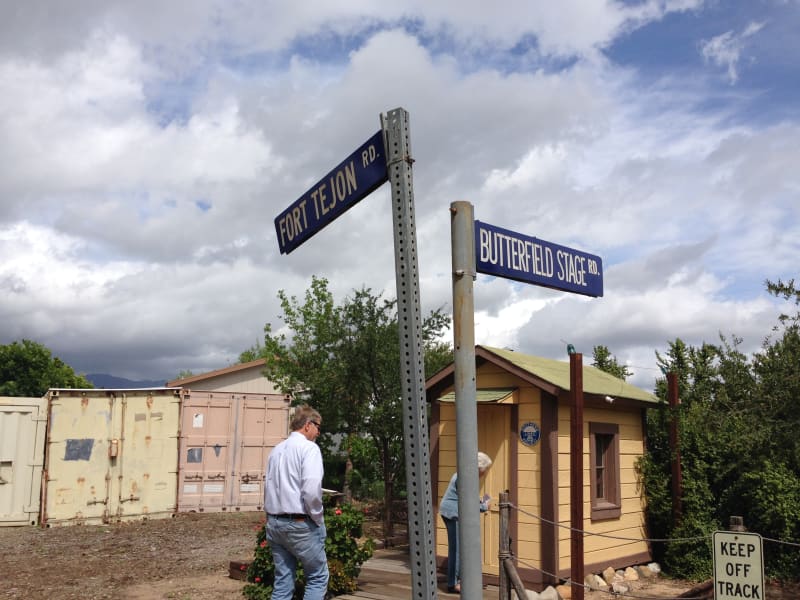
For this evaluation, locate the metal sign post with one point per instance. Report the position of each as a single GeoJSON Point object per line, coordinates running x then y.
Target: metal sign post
{"type": "Point", "coordinates": [483, 248]}
{"type": "Point", "coordinates": [412, 359]}
{"type": "Point", "coordinates": [469, 525]}
{"type": "Point", "coordinates": [386, 155]}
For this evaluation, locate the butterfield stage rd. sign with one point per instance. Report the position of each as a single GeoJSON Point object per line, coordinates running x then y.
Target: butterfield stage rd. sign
{"type": "Point", "coordinates": [352, 180]}
{"type": "Point", "coordinates": [512, 255]}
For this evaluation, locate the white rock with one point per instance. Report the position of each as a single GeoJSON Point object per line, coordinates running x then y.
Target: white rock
{"type": "Point", "coordinates": [645, 572]}
{"type": "Point", "coordinates": [549, 593]}
{"type": "Point", "coordinates": [595, 582]}
{"type": "Point", "coordinates": [630, 574]}
{"type": "Point", "coordinates": [564, 591]}
{"type": "Point", "coordinates": [608, 575]}
{"type": "Point", "coordinates": [620, 588]}
{"type": "Point", "coordinates": [654, 567]}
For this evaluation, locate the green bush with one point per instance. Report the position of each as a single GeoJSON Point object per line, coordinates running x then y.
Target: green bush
{"type": "Point", "coordinates": [769, 501]}
{"type": "Point", "coordinates": [345, 556]}
{"type": "Point", "coordinates": [689, 558]}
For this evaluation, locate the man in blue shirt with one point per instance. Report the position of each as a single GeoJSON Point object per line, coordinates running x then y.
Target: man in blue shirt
{"type": "Point", "coordinates": [293, 503]}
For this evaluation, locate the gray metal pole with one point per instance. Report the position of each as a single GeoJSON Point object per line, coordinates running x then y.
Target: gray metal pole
{"type": "Point", "coordinates": [469, 527]}
{"type": "Point", "coordinates": [412, 358]}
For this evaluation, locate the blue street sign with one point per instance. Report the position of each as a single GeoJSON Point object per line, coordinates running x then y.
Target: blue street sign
{"type": "Point", "coordinates": [511, 255]}
{"type": "Point", "coordinates": [352, 180]}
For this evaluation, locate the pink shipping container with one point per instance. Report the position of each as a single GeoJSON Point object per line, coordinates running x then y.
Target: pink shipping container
{"type": "Point", "coordinates": [225, 440]}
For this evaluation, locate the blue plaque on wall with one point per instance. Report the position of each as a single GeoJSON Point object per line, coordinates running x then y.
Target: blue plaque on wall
{"type": "Point", "coordinates": [529, 433]}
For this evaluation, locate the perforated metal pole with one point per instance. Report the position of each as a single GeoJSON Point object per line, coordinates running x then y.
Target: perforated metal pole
{"type": "Point", "coordinates": [412, 360]}
{"type": "Point", "coordinates": [462, 226]}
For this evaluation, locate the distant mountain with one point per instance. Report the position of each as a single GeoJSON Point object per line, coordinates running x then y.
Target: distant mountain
{"type": "Point", "coordinates": [110, 382]}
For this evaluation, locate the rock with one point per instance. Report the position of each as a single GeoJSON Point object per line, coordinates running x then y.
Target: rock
{"type": "Point", "coordinates": [564, 591]}
{"type": "Point", "coordinates": [549, 593]}
{"type": "Point", "coordinates": [630, 574]}
{"type": "Point", "coordinates": [619, 587]}
{"type": "Point", "coordinates": [595, 582]}
{"type": "Point", "coordinates": [645, 572]}
{"type": "Point", "coordinates": [654, 567]}
{"type": "Point", "coordinates": [608, 575]}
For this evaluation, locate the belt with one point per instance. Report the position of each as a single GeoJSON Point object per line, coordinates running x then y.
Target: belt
{"type": "Point", "coordinates": [291, 516]}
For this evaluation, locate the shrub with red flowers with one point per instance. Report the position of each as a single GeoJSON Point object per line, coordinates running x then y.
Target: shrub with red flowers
{"type": "Point", "coordinates": [345, 555]}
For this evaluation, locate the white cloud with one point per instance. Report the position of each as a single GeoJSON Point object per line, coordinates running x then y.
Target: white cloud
{"type": "Point", "coordinates": [145, 150]}
{"type": "Point", "coordinates": [726, 49]}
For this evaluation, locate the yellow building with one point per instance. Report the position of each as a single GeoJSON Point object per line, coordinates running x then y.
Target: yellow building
{"type": "Point", "coordinates": [523, 405]}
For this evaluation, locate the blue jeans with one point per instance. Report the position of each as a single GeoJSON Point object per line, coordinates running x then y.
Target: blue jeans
{"type": "Point", "coordinates": [292, 541]}
{"type": "Point", "coordinates": [453, 568]}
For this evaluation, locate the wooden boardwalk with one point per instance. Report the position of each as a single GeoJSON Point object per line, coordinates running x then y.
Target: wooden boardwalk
{"type": "Point", "coordinates": [387, 576]}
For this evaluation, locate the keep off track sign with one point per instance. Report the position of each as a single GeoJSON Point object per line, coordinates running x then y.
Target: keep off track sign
{"type": "Point", "coordinates": [738, 566]}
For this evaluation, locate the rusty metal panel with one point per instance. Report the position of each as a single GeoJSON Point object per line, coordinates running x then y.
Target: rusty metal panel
{"type": "Point", "coordinates": [206, 432]}
{"type": "Point", "coordinates": [22, 433]}
{"type": "Point", "coordinates": [263, 424]}
{"type": "Point", "coordinates": [225, 440]}
{"type": "Point", "coordinates": [112, 455]}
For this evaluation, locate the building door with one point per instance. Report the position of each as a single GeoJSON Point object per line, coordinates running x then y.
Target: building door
{"type": "Point", "coordinates": [494, 424]}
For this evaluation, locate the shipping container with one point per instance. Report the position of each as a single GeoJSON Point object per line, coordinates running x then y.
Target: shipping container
{"type": "Point", "coordinates": [111, 455]}
{"type": "Point", "coordinates": [22, 433]}
{"type": "Point", "coordinates": [225, 441]}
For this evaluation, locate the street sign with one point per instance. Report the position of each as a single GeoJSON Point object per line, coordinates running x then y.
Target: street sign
{"type": "Point", "coordinates": [511, 255]}
{"type": "Point", "coordinates": [352, 180]}
{"type": "Point", "coordinates": [738, 565]}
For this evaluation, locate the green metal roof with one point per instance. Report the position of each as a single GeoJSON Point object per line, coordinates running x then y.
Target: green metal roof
{"type": "Point", "coordinates": [486, 395]}
{"type": "Point", "coordinates": [556, 372]}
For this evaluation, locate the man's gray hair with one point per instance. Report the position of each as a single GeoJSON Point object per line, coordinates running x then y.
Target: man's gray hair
{"type": "Point", "coordinates": [484, 462]}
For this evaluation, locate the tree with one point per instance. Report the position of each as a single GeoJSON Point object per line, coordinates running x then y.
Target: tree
{"type": "Point", "coordinates": [345, 361]}
{"type": "Point", "coordinates": [603, 360]}
{"type": "Point", "coordinates": [29, 369]}
{"type": "Point", "coordinates": [739, 448]}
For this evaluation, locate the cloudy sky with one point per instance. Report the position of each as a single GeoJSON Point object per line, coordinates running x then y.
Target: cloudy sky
{"type": "Point", "coordinates": [146, 147]}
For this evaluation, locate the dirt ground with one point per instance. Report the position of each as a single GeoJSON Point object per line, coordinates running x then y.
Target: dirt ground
{"type": "Point", "coordinates": [183, 558]}
{"type": "Point", "coordinates": [186, 557]}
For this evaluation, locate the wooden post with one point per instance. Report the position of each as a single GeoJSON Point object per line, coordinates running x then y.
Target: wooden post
{"type": "Point", "coordinates": [508, 571]}
{"type": "Point", "coordinates": [736, 524]}
{"type": "Point", "coordinates": [675, 447]}
{"type": "Point", "coordinates": [505, 590]}
{"type": "Point", "coordinates": [576, 473]}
